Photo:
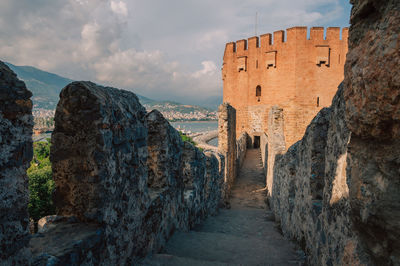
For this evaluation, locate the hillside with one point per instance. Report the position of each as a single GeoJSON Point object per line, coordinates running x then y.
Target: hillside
{"type": "Point", "coordinates": [46, 87]}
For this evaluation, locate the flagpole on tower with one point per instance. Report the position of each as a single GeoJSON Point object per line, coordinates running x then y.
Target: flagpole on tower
{"type": "Point", "coordinates": [256, 23]}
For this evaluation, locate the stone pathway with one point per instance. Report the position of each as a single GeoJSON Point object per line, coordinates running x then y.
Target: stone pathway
{"type": "Point", "coordinates": [242, 235]}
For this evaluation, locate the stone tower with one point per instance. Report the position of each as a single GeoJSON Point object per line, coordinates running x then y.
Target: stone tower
{"type": "Point", "coordinates": [294, 72]}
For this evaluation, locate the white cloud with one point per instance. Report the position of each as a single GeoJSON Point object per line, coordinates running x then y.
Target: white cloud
{"type": "Point", "coordinates": [132, 69]}
{"type": "Point", "coordinates": [119, 8]}
{"type": "Point", "coordinates": [209, 68]}
{"type": "Point", "coordinates": [168, 49]}
{"type": "Point", "coordinates": [90, 35]}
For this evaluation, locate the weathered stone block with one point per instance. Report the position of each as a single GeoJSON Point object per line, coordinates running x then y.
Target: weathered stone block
{"type": "Point", "coordinates": [372, 93]}
{"type": "Point", "coordinates": [310, 191]}
{"type": "Point", "coordinates": [165, 183]}
{"type": "Point", "coordinates": [193, 172]}
{"type": "Point", "coordinates": [16, 123]}
{"type": "Point", "coordinates": [227, 143]}
{"type": "Point", "coordinates": [99, 154]}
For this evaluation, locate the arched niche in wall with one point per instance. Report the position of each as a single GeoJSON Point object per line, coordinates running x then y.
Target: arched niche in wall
{"type": "Point", "coordinates": [258, 92]}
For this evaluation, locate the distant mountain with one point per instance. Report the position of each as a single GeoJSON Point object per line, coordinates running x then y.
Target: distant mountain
{"type": "Point", "coordinates": [212, 102]}
{"type": "Point", "coordinates": [46, 88]}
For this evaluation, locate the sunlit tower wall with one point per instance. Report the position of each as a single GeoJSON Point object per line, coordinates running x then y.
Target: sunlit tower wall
{"type": "Point", "coordinates": [287, 69]}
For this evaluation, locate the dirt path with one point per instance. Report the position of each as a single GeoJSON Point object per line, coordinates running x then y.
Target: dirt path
{"type": "Point", "coordinates": [242, 235]}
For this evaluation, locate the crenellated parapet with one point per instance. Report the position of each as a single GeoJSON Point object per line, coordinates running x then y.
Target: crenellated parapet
{"type": "Point", "coordinates": [297, 69]}
{"type": "Point", "coordinates": [291, 36]}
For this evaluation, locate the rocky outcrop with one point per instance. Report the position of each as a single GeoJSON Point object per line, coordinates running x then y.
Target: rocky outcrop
{"type": "Point", "coordinates": [16, 123]}
{"type": "Point", "coordinates": [372, 93]}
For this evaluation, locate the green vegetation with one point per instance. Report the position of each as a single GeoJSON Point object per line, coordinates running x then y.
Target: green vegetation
{"type": "Point", "coordinates": [187, 138]}
{"type": "Point", "coordinates": [41, 184]}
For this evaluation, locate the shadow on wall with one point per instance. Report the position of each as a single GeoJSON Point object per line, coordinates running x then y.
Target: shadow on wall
{"type": "Point", "coordinates": [124, 180]}
{"type": "Point", "coordinates": [310, 193]}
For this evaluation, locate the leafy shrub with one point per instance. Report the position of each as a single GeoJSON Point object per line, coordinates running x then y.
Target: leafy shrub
{"type": "Point", "coordinates": [41, 184]}
{"type": "Point", "coordinates": [187, 138]}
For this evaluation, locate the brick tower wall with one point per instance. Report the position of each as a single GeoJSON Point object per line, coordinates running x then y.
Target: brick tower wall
{"type": "Point", "coordinates": [296, 73]}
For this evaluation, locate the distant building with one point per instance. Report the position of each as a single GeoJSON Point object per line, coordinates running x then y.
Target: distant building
{"type": "Point", "coordinates": [294, 72]}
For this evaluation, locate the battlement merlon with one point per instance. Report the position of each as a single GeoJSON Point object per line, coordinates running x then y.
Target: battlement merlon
{"type": "Point", "coordinates": [294, 34]}
{"type": "Point", "coordinates": [241, 45]}
{"type": "Point", "coordinates": [253, 42]}
{"type": "Point", "coordinates": [230, 48]}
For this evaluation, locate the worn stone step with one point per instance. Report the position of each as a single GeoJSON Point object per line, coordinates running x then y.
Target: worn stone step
{"type": "Point", "coordinates": [242, 222]}
{"type": "Point", "coordinates": [171, 260]}
{"type": "Point", "coordinates": [232, 249]}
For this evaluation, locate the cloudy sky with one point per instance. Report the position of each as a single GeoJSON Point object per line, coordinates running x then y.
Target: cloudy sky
{"type": "Point", "coordinates": [162, 49]}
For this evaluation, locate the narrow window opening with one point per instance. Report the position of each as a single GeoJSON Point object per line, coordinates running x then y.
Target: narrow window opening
{"type": "Point", "coordinates": [339, 58]}
{"type": "Point", "coordinates": [258, 91]}
{"type": "Point", "coordinates": [323, 53]}
{"type": "Point", "coordinates": [317, 101]}
{"type": "Point", "coordinates": [271, 59]}
{"type": "Point", "coordinates": [256, 63]}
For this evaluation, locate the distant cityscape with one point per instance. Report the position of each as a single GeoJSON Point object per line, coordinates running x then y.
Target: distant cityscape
{"type": "Point", "coordinates": [175, 112]}
{"type": "Point", "coordinates": [44, 118]}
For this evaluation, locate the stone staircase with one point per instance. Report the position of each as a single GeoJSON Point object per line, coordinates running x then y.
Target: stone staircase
{"type": "Point", "coordinates": [243, 235]}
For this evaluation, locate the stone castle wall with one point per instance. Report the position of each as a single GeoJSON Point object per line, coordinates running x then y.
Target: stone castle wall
{"type": "Point", "coordinates": [264, 151]}
{"type": "Point", "coordinates": [241, 145]}
{"type": "Point", "coordinates": [298, 74]}
{"type": "Point", "coordinates": [125, 181]}
{"type": "Point", "coordinates": [16, 123]}
{"type": "Point", "coordinates": [227, 143]}
{"type": "Point", "coordinates": [309, 192]}
{"type": "Point", "coordinates": [372, 94]}
{"type": "Point", "coordinates": [232, 149]}
{"type": "Point", "coordinates": [336, 191]}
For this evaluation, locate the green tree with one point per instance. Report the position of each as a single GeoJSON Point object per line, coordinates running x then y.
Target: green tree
{"type": "Point", "coordinates": [41, 184]}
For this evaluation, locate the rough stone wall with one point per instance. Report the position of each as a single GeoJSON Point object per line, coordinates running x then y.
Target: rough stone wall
{"type": "Point", "coordinates": [165, 182]}
{"type": "Point", "coordinates": [372, 93]}
{"type": "Point", "coordinates": [16, 123]}
{"type": "Point", "coordinates": [264, 151]}
{"type": "Point", "coordinates": [194, 178]}
{"type": "Point", "coordinates": [310, 194]}
{"type": "Point", "coordinates": [290, 73]}
{"type": "Point", "coordinates": [356, 223]}
{"type": "Point", "coordinates": [241, 145]}
{"type": "Point", "coordinates": [124, 180]}
{"type": "Point", "coordinates": [227, 143]}
{"type": "Point", "coordinates": [99, 156]}
{"type": "Point", "coordinates": [214, 182]}
{"type": "Point", "coordinates": [276, 143]}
